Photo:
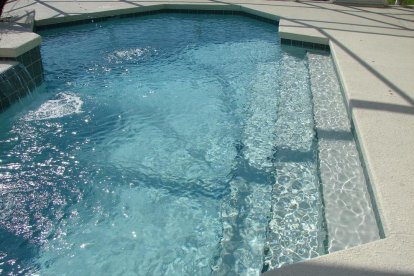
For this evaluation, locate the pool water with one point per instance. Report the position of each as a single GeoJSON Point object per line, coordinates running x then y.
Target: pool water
{"type": "Point", "coordinates": [169, 144]}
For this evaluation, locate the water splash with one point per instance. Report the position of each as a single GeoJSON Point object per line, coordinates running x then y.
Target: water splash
{"type": "Point", "coordinates": [133, 54]}
{"type": "Point", "coordinates": [65, 104]}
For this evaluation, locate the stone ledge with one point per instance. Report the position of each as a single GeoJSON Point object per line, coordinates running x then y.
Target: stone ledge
{"type": "Point", "coordinates": [359, 260]}
{"type": "Point", "coordinates": [295, 31]}
{"type": "Point", "coordinates": [15, 42]}
{"type": "Point", "coordinates": [6, 65]}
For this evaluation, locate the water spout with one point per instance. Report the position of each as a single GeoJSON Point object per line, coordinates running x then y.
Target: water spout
{"type": "Point", "coordinates": [15, 83]}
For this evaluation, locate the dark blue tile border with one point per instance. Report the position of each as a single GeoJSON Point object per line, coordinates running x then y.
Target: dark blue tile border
{"type": "Point", "coordinates": [32, 60]}
{"type": "Point", "coordinates": [284, 41]}
{"type": "Point", "coordinates": [15, 83]}
{"type": "Point", "coordinates": [146, 13]}
{"type": "Point", "coordinates": [306, 45]}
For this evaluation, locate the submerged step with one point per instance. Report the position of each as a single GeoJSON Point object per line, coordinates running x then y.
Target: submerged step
{"type": "Point", "coordinates": [245, 210]}
{"type": "Point", "coordinates": [244, 217]}
{"type": "Point", "coordinates": [348, 212]}
{"type": "Point", "coordinates": [295, 231]}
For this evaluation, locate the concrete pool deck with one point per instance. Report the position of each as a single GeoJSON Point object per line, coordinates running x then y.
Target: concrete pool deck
{"type": "Point", "coordinates": [373, 49]}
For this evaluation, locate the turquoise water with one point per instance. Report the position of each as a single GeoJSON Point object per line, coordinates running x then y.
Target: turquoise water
{"type": "Point", "coordinates": [161, 145]}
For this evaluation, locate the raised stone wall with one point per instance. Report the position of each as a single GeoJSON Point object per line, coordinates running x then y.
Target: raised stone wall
{"type": "Point", "coordinates": [15, 83]}
{"type": "Point", "coordinates": [21, 68]}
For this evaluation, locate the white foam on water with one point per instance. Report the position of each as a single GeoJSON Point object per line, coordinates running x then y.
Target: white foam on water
{"type": "Point", "coordinates": [119, 56]}
{"type": "Point", "coordinates": [65, 104]}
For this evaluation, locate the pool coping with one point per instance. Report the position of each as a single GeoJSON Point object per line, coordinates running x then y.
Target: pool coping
{"type": "Point", "coordinates": [380, 103]}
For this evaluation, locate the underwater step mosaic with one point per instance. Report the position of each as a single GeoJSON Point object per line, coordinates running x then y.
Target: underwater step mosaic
{"type": "Point", "coordinates": [349, 213]}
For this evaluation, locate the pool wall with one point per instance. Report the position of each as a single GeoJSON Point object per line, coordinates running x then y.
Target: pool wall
{"type": "Point", "coordinates": [15, 83]}
{"type": "Point", "coordinates": [22, 68]}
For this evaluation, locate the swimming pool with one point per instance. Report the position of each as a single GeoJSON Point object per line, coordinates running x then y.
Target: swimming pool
{"type": "Point", "coordinates": [168, 144]}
